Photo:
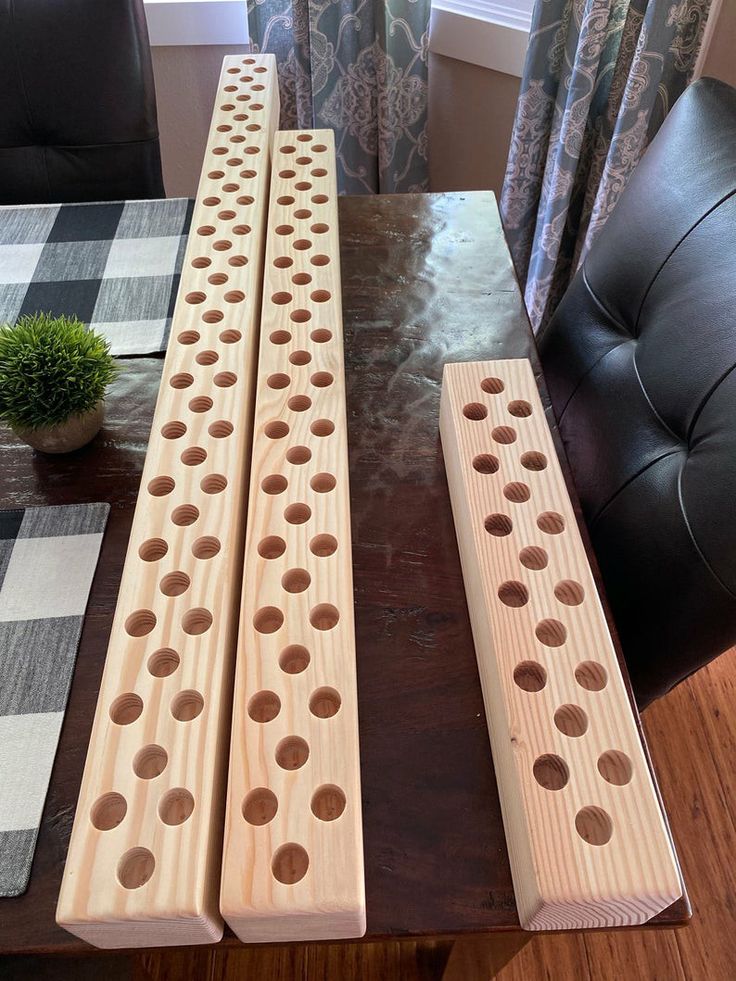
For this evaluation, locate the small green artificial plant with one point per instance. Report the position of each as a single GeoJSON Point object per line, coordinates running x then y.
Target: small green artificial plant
{"type": "Point", "coordinates": [51, 368]}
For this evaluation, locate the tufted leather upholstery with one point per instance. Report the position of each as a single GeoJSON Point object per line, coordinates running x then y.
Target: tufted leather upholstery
{"type": "Point", "coordinates": [639, 361]}
{"type": "Point", "coordinates": [78, 118]}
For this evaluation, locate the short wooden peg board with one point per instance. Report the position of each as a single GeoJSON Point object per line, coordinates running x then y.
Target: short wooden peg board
{"type": "Point", "coordinates": [293, 856]}
{"type": "Point", "coordinates": [588, 843]}
{"type": "Point", "coordinates": [144, 858]}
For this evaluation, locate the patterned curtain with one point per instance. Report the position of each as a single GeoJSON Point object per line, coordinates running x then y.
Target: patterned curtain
{"type": "Point", "coordinates": [358, 67]}
{"type": "Point", "coordinates": [600, 76]}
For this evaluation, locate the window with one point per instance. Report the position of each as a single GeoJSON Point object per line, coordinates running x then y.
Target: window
{"type": "Point", "coordinates": [197, 21]}
{"type": "Point", "coordinates": [491, 33]}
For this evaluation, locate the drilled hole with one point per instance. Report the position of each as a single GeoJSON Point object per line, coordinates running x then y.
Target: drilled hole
{"type": "Point", "coordinates": [288, 149]}
{"type": "Point", "coordinates": [202, 403]}
{"type": "Point", "coordinates": [299, 403]}
{"type": "Point", "coordinates": [303, 161]}
{"type": "Point", "coordinates": [195, 296]}
{"type": "Point", "coordinates": [551, 522]}
{"type": "Point", "coordinates": [161, 486]}
{"type": "Point", "coordinates": [276, 429]}
{"type": "Point", "coordinates": [319, 172]}
{"type": "Point", "coordinates": [196, 621]}
{"type": "Point", "coordinates": [323, 545]}
{"type": "Point", "coordinates": [280, 337]}
{"type": "Point", "coordinates": [300, 357]}
{"type": "Point", "coordinates": [150, 762]}
{"type": "Point", "coordinates": [299, 455]}
{"type": "Point", "coordinates": [301, 279]}
{"type": "Point", "coordinates": [322, 483]}
{"type": "Point", "coordinates": [185, 515]}
{"type": "Point", "coordinates": [245, 199]}
{"type": "Point", "coordinates": [284, 229]}
{"type": "Point", "coordinates": [108, 811]}
{"type": "Point", "coordinates": [485, 463]}
{"type": "Point", "coordinates": [268, 620]}
{"type": "Point", "coordinates": [193, 456]}
{"type": "Point", "coordinates": [140, 623]}
{"type": "Point", "coordinates": [238, 260]}
{"type": "Point", "coordinates": [188, 337]}
{"type": "Point", "coordinates": [226, 215]}
{"type": "Point", "coordinates": [300, 316]}
{"type": "Point", "coordinates": [285, 199]}
{"type": "Point", "coordinates": [220, 429]}
{"type": "Point", "coordinates": [222, 245]}
{"type": "Point", "coordinates": [218, 279]}
{"type": "Point", "coordinates": [173, 430]}
{"type": "Point", "coordinates": [278, 381]}
{"type": "Point", "coordinates": [283, 262]}
{"type": "Point", "coordinates": [264, 706]}
{"type": "Point", "coordinates": [530, 676]}
{"type": "Point", "coordinates": [551, 633]}
{"type": "Point", "coordinates": [615, 767]}
{"type": "Point", "coordinates": [211, 202]}
{"type": "Point", "coordinates": [187, 705]}
{"type": "Point", "coordinates": [175, 583]}
{"type": "Point", "coordinates": [320, 296]}
{"type": "Point", "coordinates": [206, 547]}
{"type": "Point", "coordinates": [260, 806]}
{"type": "Point", "coordinates": [275, 483]}
{"type": "Point", "coordinates": [212, 317]}
{"type": "Point", "coordinates": [512, 593]}
{"type": "Point", "coordinates": [533, 557]}
{"type": "Point", "coordinates": [504, 434]}
{"type": "Point", "coordinates": [319, 199]}
{"type": "Point", "coordinates": [234, 296]}
{"type": "Point", "coordinates": [324, 616]}
{"type": "Point", "coordinates": [126, 709]}
{"type": "Point", "coordinates": [328, 802]}
{"type": "Point", "coordinates": [214, 483]}
{"type": "Point", "coordinates": [231, 187]}
{"type": "Point", "coordinates": [230, 336]}
{"type": "Point", "coordinates": [271, 547]}
{"type": "Point", "coordinates": [594, 825]}
{"type": "Point", "coordinates": [294, 659]}
{"type": "Point", "coordinates": [498, 525]}
{"type": "Point", "coordinates": [475, 411]}
{"type": "Point", "coordinates": [163, 662]}
{"type": "Point", "coordinates": [302, 244]}
{"type": "Point", "coordinates": [520, 408]}
{"type": "Point", "coordinates": [181, 380]}
{"type": "Point", "coordinates": [550, 771]}
{"type": "Point", "coordinates": [571, 720]}
{"type": "Point", "coordinates": [322, 379]}
{"type": "Point", "coordinates": [176, 806]}
{"type": "Point", "coordinates": [281, 297]}
{"type": "Point", "coordinates": [493, 386]}
{"type": "Point", "coordinates": [153, 549]}
{"type": "Point", "coordinates": [207, 357]}
{"type": "Point", "coordinates": [292, 753]}
{"type": "Point", "coordinates": [297, 514]}
{"type": "Point", "coordinates": [209, 229]}
{"type": "Point", "coordinates": [135, 868]}
{"type": "Point", "coordinates": [302, 213]}
{"type": "Point", "coordinates": [516, 492]}
{"type": "Point", "coordinates": [296, 580]}
{"type": "Point", "coordinates": [320, 260]}
{"type": "Point", "coordinates": [569, 592]}
{"type": "Point", "coordinates": [322, 427]}
{"type": "Point", "coordinates": [325, 702]}
{"type": "Point", "coordinates": [591, 675]}
{"type": "Point", "coordinates": [290, 863]}
{"type": "Point", "coordinates": [321, 335]}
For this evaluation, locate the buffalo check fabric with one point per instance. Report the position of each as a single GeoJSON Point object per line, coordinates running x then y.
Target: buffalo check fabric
{"type": "Point", "coordinates": [47, 561]}
{"type": "Point", "coordinates": [114, 265]}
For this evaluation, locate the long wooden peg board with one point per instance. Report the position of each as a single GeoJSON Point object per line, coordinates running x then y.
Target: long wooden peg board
{"type": "Point", "coordinates": [588, 843]}
{"type": "Point", "coordinates": [293, 855]}
{"type": "Point", "coordinates": [144, 859]}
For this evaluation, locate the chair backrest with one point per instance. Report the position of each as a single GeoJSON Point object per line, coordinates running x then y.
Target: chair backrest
{"type": "Point", "coordinates": [639, 361]}
{"type": "Point", "coordinates": [78, 119]}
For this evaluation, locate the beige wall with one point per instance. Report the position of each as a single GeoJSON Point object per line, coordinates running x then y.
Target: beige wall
{"type": "Point", "coordinates": [471, 111]}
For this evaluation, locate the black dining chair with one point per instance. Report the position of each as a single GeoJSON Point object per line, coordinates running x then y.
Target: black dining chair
{"type": "Point", "coordinates": [78, 119]}
{"type": "Point", "coordinates": [639, 359]}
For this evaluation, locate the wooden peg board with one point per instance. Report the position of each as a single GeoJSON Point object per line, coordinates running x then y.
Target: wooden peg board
{"type": "Point", "coordinates": [144, 859]}
{"type": "Point", "coordinates": [588, 843]}
{"type": "Point", "coordinates": [293, 855]}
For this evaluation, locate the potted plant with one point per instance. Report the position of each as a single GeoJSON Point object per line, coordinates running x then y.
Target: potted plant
{"type": "Point", "coordinates": [53, 375]}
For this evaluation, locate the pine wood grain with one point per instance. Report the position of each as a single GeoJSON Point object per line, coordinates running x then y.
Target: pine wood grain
{"type": "Point", "coordinates": [293, 853]}
{"type": "Point", "coordinates": [588, 843]}
{"type": "Point", "coordinates": [144, 858]}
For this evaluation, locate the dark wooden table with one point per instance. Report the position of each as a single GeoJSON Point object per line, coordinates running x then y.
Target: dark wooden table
{"type": "Point", "coordinates": [426, 280]}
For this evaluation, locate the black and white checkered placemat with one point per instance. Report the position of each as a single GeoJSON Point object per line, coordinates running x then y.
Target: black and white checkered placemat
{"type": "Point", "coordinates": [115, 266]}
{"type": "Point", "coordinates": [47, 560]}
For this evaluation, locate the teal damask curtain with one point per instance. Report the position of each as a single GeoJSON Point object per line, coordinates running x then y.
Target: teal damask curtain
{"type": "Point", "coordinates": [358, 67]}
{"type": "Point", "coordinates": [600, 76]}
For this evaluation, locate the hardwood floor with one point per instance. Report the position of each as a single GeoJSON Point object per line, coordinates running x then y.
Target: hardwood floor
{"type": "Point", "coordinates": [692, 738]}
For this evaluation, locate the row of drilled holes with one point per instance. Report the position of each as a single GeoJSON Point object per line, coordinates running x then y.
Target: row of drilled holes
{"type": "Point", "coordinates": [592, 823]}
{"type": "Point", "coordinates": [291, 861]}
{"type": "Point", "coordinates": [176, 805]}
